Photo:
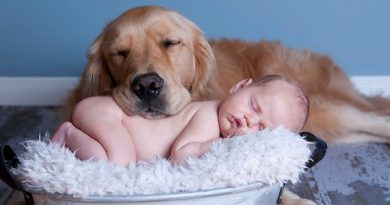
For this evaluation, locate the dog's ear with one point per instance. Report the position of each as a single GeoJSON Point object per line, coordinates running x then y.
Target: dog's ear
{"type": "Point", "coordinates": [96, 79]}
{"type": "Point", "coordinates": [205, 68]}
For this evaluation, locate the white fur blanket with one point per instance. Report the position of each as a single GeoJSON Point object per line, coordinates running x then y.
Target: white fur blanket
{"type": "Point", "coordinates": [269, 157]}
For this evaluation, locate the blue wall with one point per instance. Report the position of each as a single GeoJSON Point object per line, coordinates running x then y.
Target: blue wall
{"type": "Point", "coordinates": [51, 37]}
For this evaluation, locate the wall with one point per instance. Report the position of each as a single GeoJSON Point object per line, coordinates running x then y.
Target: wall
{"type": "Point", "coordinates": [51, 37]}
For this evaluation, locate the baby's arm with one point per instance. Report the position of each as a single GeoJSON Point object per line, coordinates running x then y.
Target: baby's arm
{"type": "Point", "coordinates": [84, 146]}
{"type": "Point", "coordinates": [198, 135]}
{"type": "Point", "coordinates": [101, 119]}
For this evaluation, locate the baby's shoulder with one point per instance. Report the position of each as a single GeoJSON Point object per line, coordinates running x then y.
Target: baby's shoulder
{"type": "Point", "coordinates": [206, 108]}
{"type": "Point", "coordinates": [98, 103]}
{"type": "Point", "coordinates": [194, 109]}
{"type": "Point", "coordinates": [97, 100]}
{"type": "Point", "coordinates": [206, 105]}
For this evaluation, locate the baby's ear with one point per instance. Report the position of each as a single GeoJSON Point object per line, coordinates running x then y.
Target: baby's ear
{"type": "Point", "coordinates": [240, 85]}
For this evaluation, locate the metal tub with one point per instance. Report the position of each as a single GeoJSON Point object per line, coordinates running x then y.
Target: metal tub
{"type": "Point", "coordinates": [251, 194]}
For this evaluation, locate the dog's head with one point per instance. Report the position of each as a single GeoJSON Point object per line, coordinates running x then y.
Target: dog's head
{"type": "Point", "coordinates": [152, 60]}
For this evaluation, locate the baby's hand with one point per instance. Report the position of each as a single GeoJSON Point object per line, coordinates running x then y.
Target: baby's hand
{"type": "Point", "coordinates": [192, 149]}
{"type": "Point", "coordinates": [60, 134]}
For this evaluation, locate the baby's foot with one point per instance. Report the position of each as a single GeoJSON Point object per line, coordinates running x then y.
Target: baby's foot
{"type": "Point", "coordinates": [61, 133]}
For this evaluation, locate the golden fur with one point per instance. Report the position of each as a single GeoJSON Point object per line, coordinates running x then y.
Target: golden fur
{"type": "Point", "coordinates": [160, 41]}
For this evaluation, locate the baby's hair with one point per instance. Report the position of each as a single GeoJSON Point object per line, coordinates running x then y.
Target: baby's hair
{"type": "Point", "coordinates": [302, 98]}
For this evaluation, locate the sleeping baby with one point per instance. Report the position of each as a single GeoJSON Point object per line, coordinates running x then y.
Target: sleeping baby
{"type": "Point", "coordinates": [99, 129]}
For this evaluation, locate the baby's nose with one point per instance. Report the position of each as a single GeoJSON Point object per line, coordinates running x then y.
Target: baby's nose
{"type": "Point", "coordinates": [252, 120]}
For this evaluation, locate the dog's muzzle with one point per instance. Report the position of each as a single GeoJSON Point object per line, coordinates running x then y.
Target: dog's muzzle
{"type": "Point", "coordinates": [147, 87]}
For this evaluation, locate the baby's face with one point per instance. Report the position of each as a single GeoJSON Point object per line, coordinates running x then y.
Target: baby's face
{"type": "Point", "coordinates": [253, 108]}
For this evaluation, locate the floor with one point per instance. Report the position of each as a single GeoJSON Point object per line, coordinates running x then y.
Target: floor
{"type": "Point", "coordinates": [349, 174]}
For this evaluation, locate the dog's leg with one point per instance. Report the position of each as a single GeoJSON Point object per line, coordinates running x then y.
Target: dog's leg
{"type": "Point", "coordinates": [363, 126]}
{"type": "Point", "coordinates": [343, 123]}
{"type": "Point", "coordinates": [289, 198]}
{"type": "Point", "coordinates": [354, 138]}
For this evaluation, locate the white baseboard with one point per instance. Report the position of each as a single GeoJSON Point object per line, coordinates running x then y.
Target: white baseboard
{"type": "Point", "coordinates": [46, 91]}
{"type": "Point", "coordinates": [35, 90]}
{"type": "Point", "coordinates": [372, 85]}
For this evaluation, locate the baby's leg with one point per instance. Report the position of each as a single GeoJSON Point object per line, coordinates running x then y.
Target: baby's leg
{"type": "Point", "coordinates": [76, 140]}
{"type": "Point", "coordinates": [102, 119]}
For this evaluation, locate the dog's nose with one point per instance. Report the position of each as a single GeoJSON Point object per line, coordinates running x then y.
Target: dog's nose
{"type": "Point", "coordinates": [147, 86]}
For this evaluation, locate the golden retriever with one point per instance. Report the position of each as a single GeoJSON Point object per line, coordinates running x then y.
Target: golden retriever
{"type": "Point", "coordinates": [153, 61]}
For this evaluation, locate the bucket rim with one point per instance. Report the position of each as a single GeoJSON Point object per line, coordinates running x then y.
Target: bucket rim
{"type": "Point", "coordinates": [158, 197]}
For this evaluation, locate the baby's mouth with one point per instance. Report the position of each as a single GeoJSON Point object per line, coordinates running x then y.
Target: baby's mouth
{"type": "Point", "coordinates": [237, 122]}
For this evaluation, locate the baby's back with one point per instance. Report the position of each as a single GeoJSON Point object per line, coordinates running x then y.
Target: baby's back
{"type": "Point", "coordinates": [156, 137]}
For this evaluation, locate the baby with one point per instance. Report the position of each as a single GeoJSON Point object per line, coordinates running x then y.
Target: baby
{"type": "Point", "coordinates": [101, 130]}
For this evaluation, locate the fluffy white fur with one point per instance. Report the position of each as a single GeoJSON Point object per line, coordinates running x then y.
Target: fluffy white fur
{"type": "Point", "coordinates": [268, 156]}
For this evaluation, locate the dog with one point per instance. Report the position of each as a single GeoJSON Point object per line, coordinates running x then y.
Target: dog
{"type": "Point", "coordinates": [153, 61]}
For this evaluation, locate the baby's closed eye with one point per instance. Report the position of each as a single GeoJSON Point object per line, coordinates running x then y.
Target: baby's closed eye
{"type": "Point", "coordinates": [253, 105]}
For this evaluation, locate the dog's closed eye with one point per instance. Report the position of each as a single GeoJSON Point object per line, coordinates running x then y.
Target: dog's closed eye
{"type": "Point", "coordinates": [122, 53]}
{"type": "Point", "coordinates": [167, 43]}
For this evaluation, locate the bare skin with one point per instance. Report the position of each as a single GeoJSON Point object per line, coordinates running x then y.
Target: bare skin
{"type": "Point", "coordinates": [100, 129]}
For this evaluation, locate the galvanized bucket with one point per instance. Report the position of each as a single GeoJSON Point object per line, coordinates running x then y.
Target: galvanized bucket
{"type": "Point", "coordinates": [252, 194]}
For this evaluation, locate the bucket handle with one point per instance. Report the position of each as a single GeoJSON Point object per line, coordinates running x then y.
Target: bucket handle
{"type": "Point", "coordinates": [319, 149]}
{"type": "Point", "coordinates": [8, 161]}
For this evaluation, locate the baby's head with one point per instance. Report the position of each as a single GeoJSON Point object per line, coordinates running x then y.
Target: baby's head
{"type": "Point", "coordinates": [264, 103]}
